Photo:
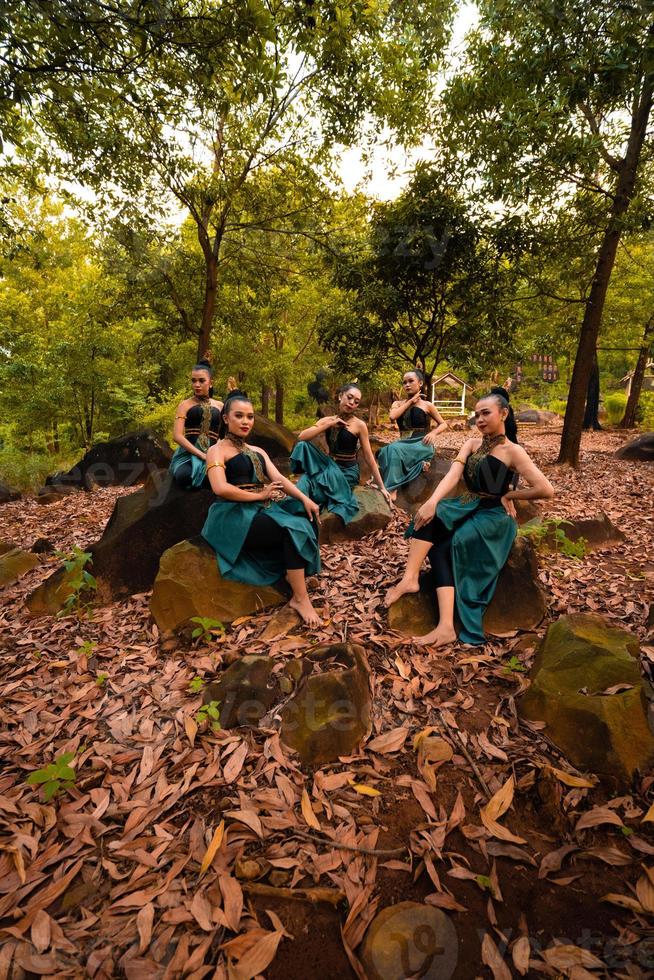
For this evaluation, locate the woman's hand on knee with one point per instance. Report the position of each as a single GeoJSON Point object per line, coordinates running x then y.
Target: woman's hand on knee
{"type": "Point", "coordinates": [424, 514]}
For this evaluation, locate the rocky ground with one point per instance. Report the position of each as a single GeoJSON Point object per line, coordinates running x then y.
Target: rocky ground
{"type": "Point", "coordinates": [176, 850]}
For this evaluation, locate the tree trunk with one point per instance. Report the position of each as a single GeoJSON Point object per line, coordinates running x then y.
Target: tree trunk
{"type": "Point", "coordinates": [279, 401]}
{"type": "Point", "coordinates": [586, 348]}
{"type": "Point", "coordinates": [265, 400]}
{"type": "Point", "coordinates": [209, 306]}
{"type": "Point", "coordinates": [629, 418]}
{"type": "Point", "coordinates": [591, 415]}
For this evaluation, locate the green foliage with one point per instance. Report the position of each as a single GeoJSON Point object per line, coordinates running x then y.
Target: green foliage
{"type": "Point", "coordinates": [645, 414]}
{"type": "Point", "coordinates": [56, 776]}
{"type": "Point", "coordinates": [196, 685]}
{"type": "Point", "coordinates": [80, 583]}
{"type": "Point", "coordinates": [206, 629]}
{"type": "Point", "coordinates": [209, 713]}
{"type": "Point", "coordinates": [557, 405]}
{"type": "Point", "coordinates": [101, 679]}
{"type": "Point", "coordinates": [615, 404]}
{"type": "Point", "coordinates": [548, 535]}
{"type": "Point", "coordinates": [513, 665]}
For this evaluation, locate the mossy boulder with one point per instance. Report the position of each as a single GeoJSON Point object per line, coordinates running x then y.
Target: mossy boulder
{"type": "Point", "coordinates": [330, 712]}
{"type": "Point", "coordinates": [518, 602]}
{"type": "Point", "coordinates": [16, 563]}
{"type": "Point", "coordinates": [373, 515]}
{"type": "Point", "coordinates": [586, 685]}
{"type": "Point", "coordinates": [8, 494]}
{"type": "Point", "coordinates": [189, 584]}
{"type": "Point", "coordinates": [244, 692]}
{"type": "Point", "coordinates": [410, 939]}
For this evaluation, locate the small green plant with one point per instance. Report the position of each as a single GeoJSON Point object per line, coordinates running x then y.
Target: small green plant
{"type": "Point", "coordinates": [54, 777]}
{"type": "Point", "coordinates": [101, 679]}
{"type": "Point", "coordinates": [79, 580]}
{"type": "Point", "coordinates": [206, 628]}
{"type": "Point", "coordinates": [548, 535]}
{"type": "Point", "coordinates": [615, 404]}
{"type": "Point", "coordinates": [196, 685]}
{"type": "Point", "coordinates": [513, 665]}
{"type": "Point", "coordinates": [210, 712]}
{"type": "Point", "coordinates": [86, 648]}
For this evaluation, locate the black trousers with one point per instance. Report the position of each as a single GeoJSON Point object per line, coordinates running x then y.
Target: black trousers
{"type": "Point", "coordinates": [265, 535]}
{"type": "Point", "coordinates": [440, 554]}
{"type": "Point", "coordinates": [183, 476]}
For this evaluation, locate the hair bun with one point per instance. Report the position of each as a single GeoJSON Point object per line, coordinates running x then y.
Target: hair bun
{"type": "Point", "coordinates": [203, 362]}
{"type": "Point", "coordinates": [237, 393]}
{"type": "Point", "coordinates": [499, 390]}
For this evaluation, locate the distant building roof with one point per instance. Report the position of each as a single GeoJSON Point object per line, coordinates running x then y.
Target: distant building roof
{"type": "Point", "coordinates": [451, 379]}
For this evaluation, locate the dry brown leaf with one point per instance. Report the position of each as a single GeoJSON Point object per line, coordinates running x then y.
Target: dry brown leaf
{"type": "Point", "coordinates": [645, 893]}
{"type": "Point", "coordinates": [624, 901]}
{"type": "Point", "coordinates": [500, 802]}
{"type": "Point", "coordinates": [571, 780]}
{"type": "Point", "coordinates": [520, 955]}
{"type": "Point", "coordinates": [232, 901]}
{"type": "Point", "coordinates": [490, 956]}
{"type": "Point", "coordinates": [567, 957]}
{"type": "Point", "coordinates": [597, 816]}
{"type": "Point", "coordinates": [307, 811]}
{"type": "Point", "coordinates": [213, 848]}
{"type": "Point", "coordinates": [144, 921]}
{"type": "Point", "coordinates": [258, 958]}
{"type": "Point", "coordinates": [391, 741]}
{"type": "Point", "coordinates": [40, 933]}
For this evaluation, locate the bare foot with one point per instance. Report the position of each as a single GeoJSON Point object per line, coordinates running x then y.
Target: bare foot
{"type": "Point", "coordinates": [305, 609]}
{"type": "Point", "coordinates": [440, 637]}
{"type": "Point", "coordinates": [403, 586]}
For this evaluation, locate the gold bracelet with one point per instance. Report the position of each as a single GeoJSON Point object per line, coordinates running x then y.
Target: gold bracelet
{"type": "Point", "coordinates": [222, 466]}
{"type": "Point", "coordinates": [458, 460]}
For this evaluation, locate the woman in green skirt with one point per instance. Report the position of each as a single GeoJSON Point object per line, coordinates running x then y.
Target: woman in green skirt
{"type": "Point", "coordinates": [329, 479]}
{"type": "Point", "coordinates": [468, 538]}
{"type": "Point", "coordinates": [258, 540]}
{"type": "Point", "coordinates": [402, 461]}
{"type": "Point", "coordinates": [197, 427]}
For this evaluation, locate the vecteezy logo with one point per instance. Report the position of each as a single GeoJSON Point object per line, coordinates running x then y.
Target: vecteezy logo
{"type": "Point", "coordinates": [411, 940]}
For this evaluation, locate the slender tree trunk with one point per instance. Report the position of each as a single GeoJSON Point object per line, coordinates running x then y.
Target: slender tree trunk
{"type": "Point", "coordinates": [209, 305]}
{"type": "Point", "coordinates": [279, 401]}
{"type": "Point", "coordinates": [265, 400]}
{"type": "Point", "coordinates": [591, 415]}
{"type": "Point", "coordinates": [629, 418]}
{"type": "Point", "coordinates": [574, 415]}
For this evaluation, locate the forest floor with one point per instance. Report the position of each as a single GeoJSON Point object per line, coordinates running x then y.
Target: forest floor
{"type": "Point", "coordinates": [138, 868]}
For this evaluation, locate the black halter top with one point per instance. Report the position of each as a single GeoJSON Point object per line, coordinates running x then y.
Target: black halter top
{"type": "Point", "coordinates": [239, 471]}
{"type": "Point", "coordinates": [413, 418]}
{"type": "Point", "coordinates": [202, 424]}
{"type": "Point", "coordinates": [343, 445]}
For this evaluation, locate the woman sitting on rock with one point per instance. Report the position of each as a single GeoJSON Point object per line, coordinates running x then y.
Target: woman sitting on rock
{"type": "Point", "coordinates": [404, 460]}
{"type": "Point", "coordinates": [197, 427]}
{"type": "Point", "coordinates": [256, 540]}
{"type": "Point", "coordinates": [330, 479]}
{"type": "Point", "coordinates": [468, 538]}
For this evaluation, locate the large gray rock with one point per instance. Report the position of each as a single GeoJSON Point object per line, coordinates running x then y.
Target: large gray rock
{"type": "Point", "coordinates": [190, 584]}
{"type": "Point", "coordinates": [518, 602]}
{"type": "Point", "coordinates": [586, 685]}
{"type": "Point", "coordinates": [374, 514]}
{"type": "Point", "coordinates": [120, 462]}
{"type": "Point", "coordinates": [640, 449]}
{"type": "Point", "coordinates": [330, 712]}
{"type": "Point", "coordinates": [411, 496]}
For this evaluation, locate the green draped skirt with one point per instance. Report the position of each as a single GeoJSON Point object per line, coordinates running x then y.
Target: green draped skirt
{"type": "Point", "coordinates": [324, 481]}
{"type": "Point", "coordinates": [226, 529]}
{"type": "Point", "coordinates": [198, 466]}
{"type": "Point", "coordinates": [481, 543]}
{"type": "Point", "coordinates": [402, 461]}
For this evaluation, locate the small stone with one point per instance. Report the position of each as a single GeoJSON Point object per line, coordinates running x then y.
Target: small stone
{"type": "Point", "coordinates": [249, 869]}
{"type": "Point", "coordinates": [16, 563]}
{"type": "Point", "coordinates": [243, 692]}
{"type": "Point", "coordinates": [410, 939]}
{"type": "Point", "coordinates": [330, 712]}
{"type": "Point", "coordinates": [279, 878]}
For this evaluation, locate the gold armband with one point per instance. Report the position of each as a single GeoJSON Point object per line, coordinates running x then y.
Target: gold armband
{"type": "Point", "coordinates": [459, 460]}
{"type": "Point", "coordinates": [221, 465]}
{"type": "Point", "coordinates": [182, 417]}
